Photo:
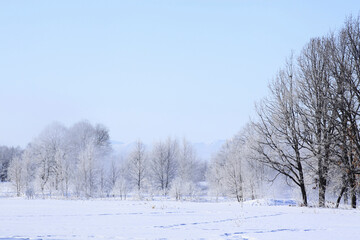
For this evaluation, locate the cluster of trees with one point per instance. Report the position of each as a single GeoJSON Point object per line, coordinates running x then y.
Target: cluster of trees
{"type": "Point", "coordinates": [306, 130]}
{"type": "Point", "coordinates": [79, 162]}
{"type": "Point", "coordinates": [62, 161]}
{"type": "Point", "coordinates": [308, 127]}
{"type": "Point", "coordinates": [169, 168]}
{"type": "Point", "coordinates": [233, 172]}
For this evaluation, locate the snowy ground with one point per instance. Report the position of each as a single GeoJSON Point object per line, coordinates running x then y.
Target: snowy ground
{"type": "Point", "coordinates": [111, 219]}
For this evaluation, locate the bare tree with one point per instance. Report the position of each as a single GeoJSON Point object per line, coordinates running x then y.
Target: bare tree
{"type": "Point", "coordinates": [279, 127]}
{"type": "Point", "coordinates": [188, 171]}
{"type": "Point", "coordinates": [230, 163]}
{"type": "Point", "coordinates": [89, 150]}
{"type": "Point", "coordinates": [6, 155]}
{"type": "Point", "coordinates": [16, 174]}
{"type": "Point", "coordinates": [114, 174]}
{"type": "Point", "coordinates": [317, 114]}
{"type": "Point", "coordinates": [164, 164]}
{"type": "Point", "coordinates": [88, 171]}
{"type": "Point", "coordinates": [138, 166]}
{"type": "Point", "coordinates": [215, 176]}
{"type": "Point", "coordinates": [45, 149]}
{"type": "Point", "coordinates": [122, 185]}
{"type": "Point", "coordinates": [344, 67]}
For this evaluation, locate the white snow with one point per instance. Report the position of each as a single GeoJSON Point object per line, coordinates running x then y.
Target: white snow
{"type": "Point", "coordinates": [114, 219]}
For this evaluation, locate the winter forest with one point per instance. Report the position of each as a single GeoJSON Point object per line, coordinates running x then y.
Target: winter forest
{"type": "Point", "coordinates": [305, 137]}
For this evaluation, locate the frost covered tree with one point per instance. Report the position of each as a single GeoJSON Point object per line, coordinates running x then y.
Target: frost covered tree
{"type": "Point", "coordinates": [329, 93]}
{"type": "Point", "coordinates": [344, 65]}
{"type": "Point", "coordinates": [44, 151]}
{"type": "Point", "coordinates": [254, 174]}
{"type": "Point", "coordinates": [234, 171]}
{"type": "Point", "coordinates": [30, 172]}
{"type": "Point", "coordinates": [16, 174]}
{"type": "Point", "coordinates": [163, 164]}
{"type": "Point", "coordinates": [188, 171]}
{"type": "Point", "coordinates": [231, 165]}
{"type": "Point", "coordinates": [90, 148]}
{"type": "Point", "coordinates": [61, 160]}
{"type": "Point", "coordinates": [87, 172]}
{"type": "Point", "coordinates": [309, 126]}
{"type": "Point", "coordinates": [64, 172]}
{"type": "Point", "coordinates": [6, 155]}
{"type": "Point", "coordinates": [314, 91]}
{"type": "Point", "coordinates": [138, 164]}
{"type": "Point", "coordinates": [122, 185]}
{"type": "Point", "coordinates": [280, 129]}
{"type": "Point", "coordinates": [113, 176]}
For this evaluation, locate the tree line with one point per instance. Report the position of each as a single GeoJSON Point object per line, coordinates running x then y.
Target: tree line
{"type": "Point", "coordinates": [306, 131]}
{"type": "Point", "coordinates": [79, 162]}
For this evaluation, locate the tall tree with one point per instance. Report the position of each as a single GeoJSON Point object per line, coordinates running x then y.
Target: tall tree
{"type": "Point", "coordinates": [279, 127]}
{"type": "Point", "coordinates": [344, 63]}
{"type": "Point", "coordinates": [317, 114]}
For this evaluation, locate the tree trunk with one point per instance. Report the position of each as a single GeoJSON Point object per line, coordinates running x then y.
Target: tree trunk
{"type": "Point", "coordinates": [340, 196]}
{"type": "Point", "coordinates": [352, 190]}
{"type": "Point", "coordinates": [346, 196]}
{"type": "Point", "coordinates": [301, 178]}
{"type": "Point", "coordinates": [303, 194]}
{"type": "Point", "coordinates": [322, 190]}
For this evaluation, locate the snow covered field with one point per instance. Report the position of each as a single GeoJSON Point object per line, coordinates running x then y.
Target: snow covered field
{"type": "Point", "coordinates": [112, 219]}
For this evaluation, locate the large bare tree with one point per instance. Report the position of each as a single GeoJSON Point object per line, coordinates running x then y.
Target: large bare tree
{"type": "Point", "coordinates": [279, 126]}
{"type": "Point", "coordinates": [317, 112]}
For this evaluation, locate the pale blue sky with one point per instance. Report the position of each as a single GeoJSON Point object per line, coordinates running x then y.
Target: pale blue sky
{"type": "Point", "coordinates": [148, 69]}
